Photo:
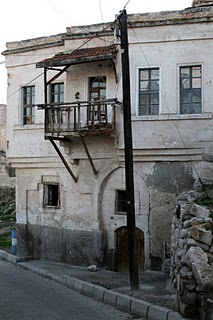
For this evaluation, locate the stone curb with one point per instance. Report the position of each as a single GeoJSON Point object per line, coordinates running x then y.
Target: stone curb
{"type": "Point", "coordinates": [121, 301]}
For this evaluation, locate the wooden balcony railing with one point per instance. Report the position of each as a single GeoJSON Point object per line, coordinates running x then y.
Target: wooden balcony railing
{"type": "Point", "coordinates": [80, 118]}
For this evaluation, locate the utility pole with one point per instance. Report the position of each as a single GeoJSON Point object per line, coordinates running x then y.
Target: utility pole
{"type": "Point", "coordinates": [129, 173]}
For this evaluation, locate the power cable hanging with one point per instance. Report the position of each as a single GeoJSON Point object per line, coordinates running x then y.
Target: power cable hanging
{"type": "Point", "coordinates": [101, 12]}
{"type": "Point", "coordinates": [88, 40]}
{"type": "Point", "coordinates": [175, 124]}
{"type": "Point", "coordinates": [25, 85]}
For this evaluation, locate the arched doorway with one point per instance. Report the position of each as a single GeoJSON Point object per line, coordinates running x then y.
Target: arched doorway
{"type": "Point", "coordinates": [122, 249]}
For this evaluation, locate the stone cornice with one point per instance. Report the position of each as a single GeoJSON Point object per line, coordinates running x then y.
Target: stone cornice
{"type": "Point", "coordinates": [190, 15]}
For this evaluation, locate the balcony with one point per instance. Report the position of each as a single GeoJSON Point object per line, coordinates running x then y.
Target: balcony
{"type": "Point", "coordinates": [80, 118]}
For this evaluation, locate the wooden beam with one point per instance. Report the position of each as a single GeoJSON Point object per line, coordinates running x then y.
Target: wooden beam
{"type": "Point", "coordinates": [63, 159]}
{"type": "Point", "coordinates": [57, 75]}
{"type": "Point", "coordinates": [88, 155]}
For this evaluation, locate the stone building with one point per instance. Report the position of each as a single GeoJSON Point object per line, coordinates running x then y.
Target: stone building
{"type": "Point", "coordinates": [65, 134]}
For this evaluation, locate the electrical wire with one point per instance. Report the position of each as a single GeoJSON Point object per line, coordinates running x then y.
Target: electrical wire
{"type": "Point", "coordinates": [87, 41]}
{"type": "Point", "coordinates": [25, 85]}
{"type": "Point", "coordinates": [101, 11]}
{"type": "Point", "coordinates": [59, 11]}
{"type": "Point", "coordinates": [62, 13]}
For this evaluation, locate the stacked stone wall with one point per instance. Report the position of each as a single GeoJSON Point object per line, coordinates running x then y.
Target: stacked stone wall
{"type": "Point", "coordinates": [192, 255]}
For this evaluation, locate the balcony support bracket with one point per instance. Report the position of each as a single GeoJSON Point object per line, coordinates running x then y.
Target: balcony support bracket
{"type": "Point", "coordinates": [63, 159]}
{"type": "Point", "coordinates": [88, 155]}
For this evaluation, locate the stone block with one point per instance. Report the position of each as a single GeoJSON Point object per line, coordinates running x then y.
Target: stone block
{"type": "Point", "coordinates": [78, 285]}
{"type": "Point", "coordinates": [183, 233]}
{"type": "Point", "coordinates": [174, 316]}
{"type": "Point", "coordinates": [189, 297]}
{"type": "Point", "coordinates": [124, 302]}
{"type": "Point", "coordinates": [186, 273]}
{"type": "Point", "coordinates": [98, 293]}
{"type": "Point", "coordinates": [203, 274]}
{"type": "Point", "coordinates": [110, 297]}
{"type": "Point", "coordinates": [187, 310]}
{"type": "Point", "coordinates": [157, 313]}
{"type": "Point", "coordinates": [195, 221]}
{"type": "Point", "coordinates": [187, 286]}
{"type": "Point", "coordinates": [207, 225]}
{"type": "Point", "coordinates": [187, 224]}
{"type": "Point", "coordinates": [194, 243]}
{"type": "Point", "coordinates": [70, 282]}
{"type": "Point", "coordinates": [140, 307]}
{"type": "Point", "coordinates": [199, 212]}
{"type": "Point", "coordinates": [59, 279]}
{"type": "Point", "coordinates": [201, 235]}
{"type": "Point", "coordinates": [209, 309]}
{"type": "Point", "coordinates": [196, 255]}
{"type": "Point", "coordinates": [87, 289]}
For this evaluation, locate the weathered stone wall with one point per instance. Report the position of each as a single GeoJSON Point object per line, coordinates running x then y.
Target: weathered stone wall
{"type": "Point", "coordinates": [59, 244]}
{"type": "Point", "coordinates": [192, 253]}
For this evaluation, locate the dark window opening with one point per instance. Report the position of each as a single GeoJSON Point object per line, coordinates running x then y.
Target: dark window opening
{"type": "Point", "coordinates": [120, 202]}
{"type": "Point", "coordinates": [51, 195]}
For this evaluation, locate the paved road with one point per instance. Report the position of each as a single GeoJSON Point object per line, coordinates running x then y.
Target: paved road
{"type": "Point", "coordinates": [25, 295]}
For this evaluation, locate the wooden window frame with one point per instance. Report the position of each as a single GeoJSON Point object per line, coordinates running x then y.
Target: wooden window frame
{"type": "Point", "coordinates": [191, 91]}
{"type": "Point", "coordinates": [95, 112]}
{"type": "Point", "coordinates": [149, 89]}
{"type": "Point", "coordinates": [28, 105]}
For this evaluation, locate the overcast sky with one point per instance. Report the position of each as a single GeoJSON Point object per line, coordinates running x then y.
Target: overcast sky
{"type": "Point", "coordinates": [26, 19]}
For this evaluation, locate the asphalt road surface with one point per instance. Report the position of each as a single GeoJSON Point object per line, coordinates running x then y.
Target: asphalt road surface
{"type": "Point", "coordinates": [25, 295]}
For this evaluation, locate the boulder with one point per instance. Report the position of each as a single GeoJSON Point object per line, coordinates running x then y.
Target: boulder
{"type": "Point", "coordinates": [203, 274]}
{"type": "Point", "coordinates": [186, 273]}
{"type": "Point", "coordinates": [201, 234]}
{"type": "Point", "coordinates": [194, 243]}
{"type": "Point", "coordinates": [93, 268]}
{"type": "Point", "coordinates": [195, 255]}
{"type": "Point", "coordinates": [199, 212]}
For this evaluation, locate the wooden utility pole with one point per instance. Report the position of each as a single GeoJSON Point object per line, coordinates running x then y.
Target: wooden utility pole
{"type": "Point", "coordinates": [129, 173]}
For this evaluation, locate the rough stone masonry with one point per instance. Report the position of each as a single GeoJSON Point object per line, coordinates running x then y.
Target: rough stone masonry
{"type": "Point", "coordinates": [192, 257]}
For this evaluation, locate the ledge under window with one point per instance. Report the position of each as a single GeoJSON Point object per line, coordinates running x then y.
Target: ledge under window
{"type": "Point", "coordinates": [174, 116]}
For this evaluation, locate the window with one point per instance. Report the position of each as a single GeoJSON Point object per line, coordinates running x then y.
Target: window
{"type": "Point", "coordinates": [28, 101]}
{"type": "Point", "coordinates": [97, 91]}
{"type": "Point", "coordinates": [56, 96]}
{"type": "Point", "coordinates": [57, 93]}
{"type": "Point", "coordinates": [149, 91]}
{"type": "Point", "coordinates": [190, 90]}
{"type": "Point", "coordinates": [51, 195]}
{"type": "Point", "coordinates": [120, 202]}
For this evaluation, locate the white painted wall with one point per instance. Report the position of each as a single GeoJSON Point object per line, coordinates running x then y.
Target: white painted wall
{"type": "Point", "coordinates": [170, 137]}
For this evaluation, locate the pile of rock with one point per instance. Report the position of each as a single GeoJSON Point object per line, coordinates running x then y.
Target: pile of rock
{"type": "Point", "coordinates": [192, 257]}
